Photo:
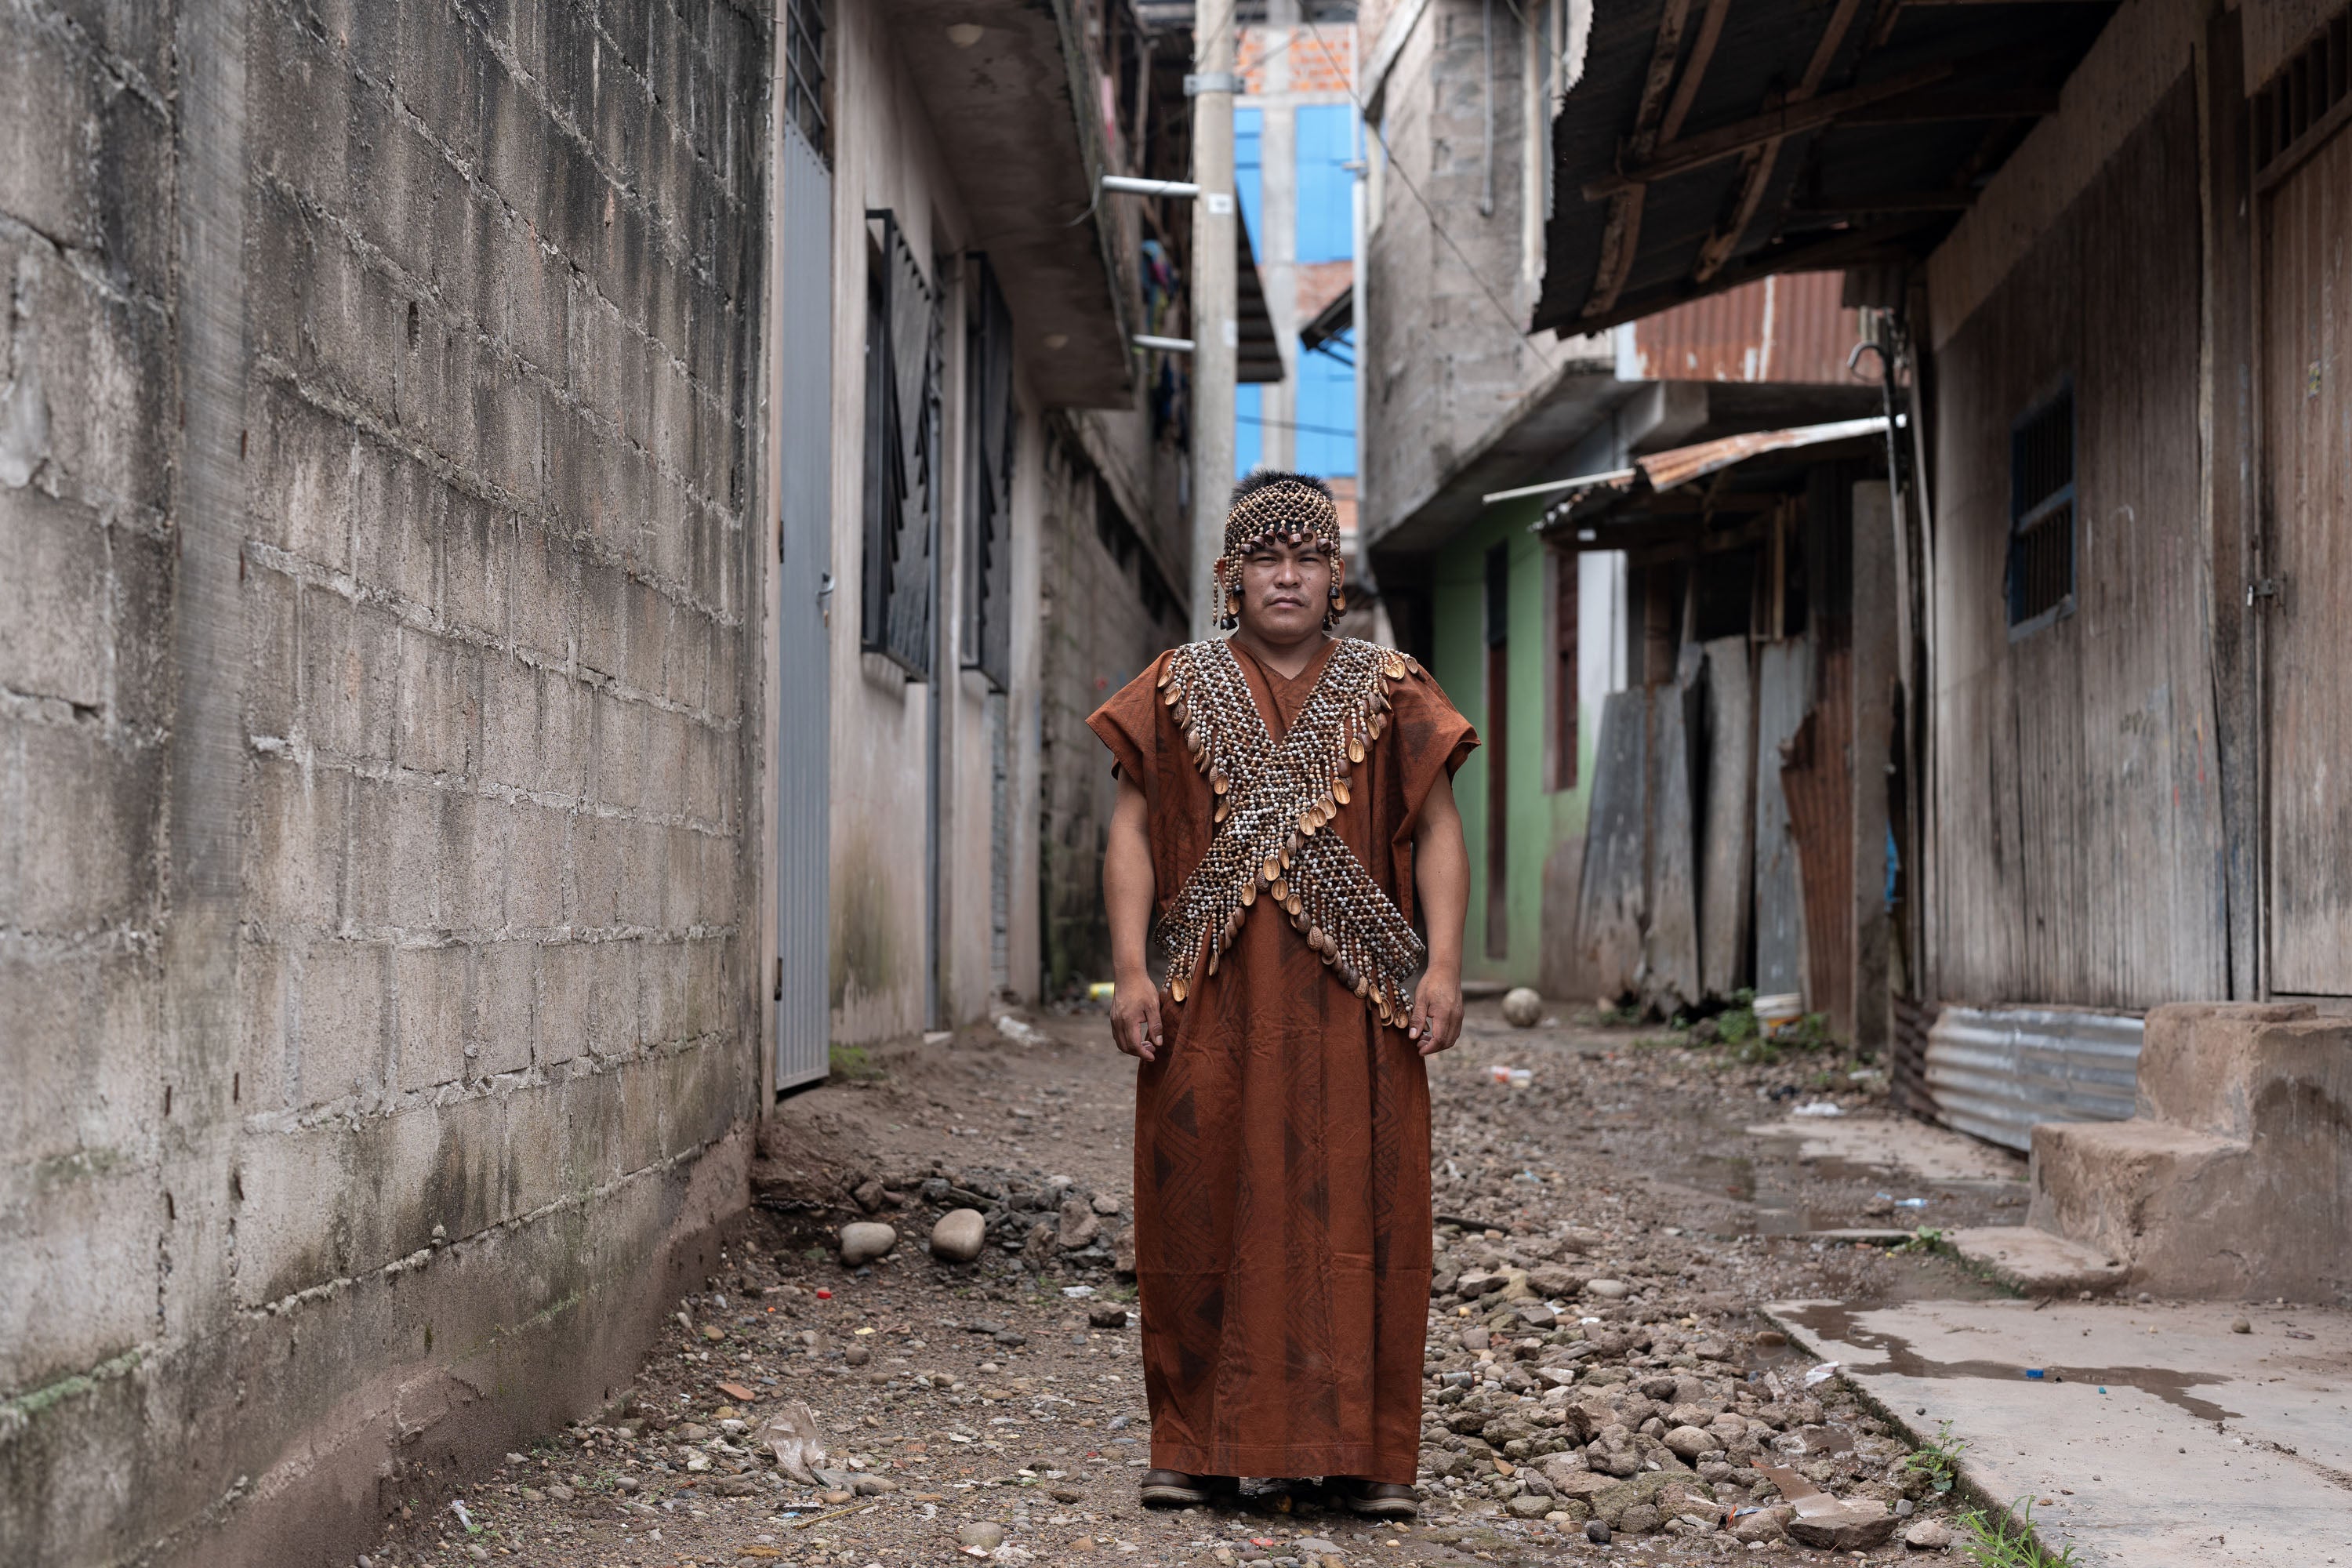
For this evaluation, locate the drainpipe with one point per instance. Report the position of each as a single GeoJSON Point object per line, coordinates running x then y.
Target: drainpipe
{"type": "Point", "coordinates": [1486, 39]}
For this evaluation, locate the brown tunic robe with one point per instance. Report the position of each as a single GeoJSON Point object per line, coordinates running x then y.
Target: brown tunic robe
{"type": "Point", "coordinates": [1282, 1190]}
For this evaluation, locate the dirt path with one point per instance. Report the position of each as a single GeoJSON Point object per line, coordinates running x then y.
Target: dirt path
{"type": "Point", "coordinates": [1606, 1231]}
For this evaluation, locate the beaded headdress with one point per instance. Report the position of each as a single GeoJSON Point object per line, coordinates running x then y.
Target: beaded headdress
{"type": "Point", "coordinates": [1291, 508]}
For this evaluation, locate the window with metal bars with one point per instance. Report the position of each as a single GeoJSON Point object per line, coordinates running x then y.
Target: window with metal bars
{"type": "Point", "coordinates": [902, 427]}
{"type": "Point", "coordinates": [805, 73]}
{"type": "Point", "coordinates": [2041, 515]}
{"type": "Point", "coordinates": [989, 423]}
{"type": "Point", "coordinates": [2305, 101]}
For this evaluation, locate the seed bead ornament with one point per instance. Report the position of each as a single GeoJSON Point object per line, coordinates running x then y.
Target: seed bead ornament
{"type": "Point", "coordinates": [1273, 803]}
{"type": "Point", "coordinates": [1287, 510]}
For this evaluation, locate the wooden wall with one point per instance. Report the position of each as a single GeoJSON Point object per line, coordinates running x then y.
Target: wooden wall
{"type": "Point", "coordinates": [2078, 829]}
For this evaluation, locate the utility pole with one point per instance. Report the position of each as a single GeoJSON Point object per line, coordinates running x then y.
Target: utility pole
{"type": "Point", "coordinates": [1216, 295]}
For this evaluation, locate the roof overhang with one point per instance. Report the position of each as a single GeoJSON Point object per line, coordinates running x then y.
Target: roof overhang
{"type": "Point", "coordinates": [1705, 497]}
{"type": "Point", "coordinates": [1707, 144]}
{"type": "Point", "coordinates": [1018, 125]}
{"type": "Point", "coordinates": [1530, 446]}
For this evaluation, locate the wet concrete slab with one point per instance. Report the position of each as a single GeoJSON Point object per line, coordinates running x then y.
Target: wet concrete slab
{"type": "Point", "coordinates": [1896, 1144]}
{"type": "Point", "coordinates": [2147, 1435]}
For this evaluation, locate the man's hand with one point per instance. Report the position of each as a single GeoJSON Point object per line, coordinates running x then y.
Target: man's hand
{"type": "Point", "coordinates": [1436, 1013]}
{"type": "Point", "coordinates": [1135, 1017]}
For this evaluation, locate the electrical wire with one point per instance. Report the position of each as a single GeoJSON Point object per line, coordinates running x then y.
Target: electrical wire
{"type": "Point", "coordinates": [1510, 317]}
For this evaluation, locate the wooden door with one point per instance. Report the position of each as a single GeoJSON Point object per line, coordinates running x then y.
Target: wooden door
{"type": "Point", "coordinates": [2305, 591]}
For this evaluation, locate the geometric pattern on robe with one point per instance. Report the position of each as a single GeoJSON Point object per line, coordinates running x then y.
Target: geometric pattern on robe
{"type": "Point", "coordinates": [1282, 1190]}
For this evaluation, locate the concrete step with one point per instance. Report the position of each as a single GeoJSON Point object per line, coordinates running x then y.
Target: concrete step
{"type": "Point", "coordinates": [2037, 1262]}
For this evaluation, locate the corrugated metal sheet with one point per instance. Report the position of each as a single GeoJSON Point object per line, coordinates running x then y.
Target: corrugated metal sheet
{"type": "Point", "coordinates": [1815, 783]}
{"type": "Point", "coordinates": [1996, 1072]}
{"type": "Point", "coordinates": [804, 437]}
{"type": "Point", "coordinates": [1789, 329]}
{"type": "Point", "coordinates": [1683, 464]}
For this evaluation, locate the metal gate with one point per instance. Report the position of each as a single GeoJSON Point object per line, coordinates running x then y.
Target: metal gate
{"type": "Point", "coordinates": [804, 531]}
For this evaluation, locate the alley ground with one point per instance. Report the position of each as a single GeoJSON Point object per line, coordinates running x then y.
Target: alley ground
{"type": "Point", "coordinates": [1609, 1229]}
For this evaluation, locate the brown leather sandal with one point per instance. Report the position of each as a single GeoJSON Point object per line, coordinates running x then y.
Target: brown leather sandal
{"type": "Point", "coordinates": [1378, 1500]}
{"type": "Point", "coordinates": [1175, 1489]}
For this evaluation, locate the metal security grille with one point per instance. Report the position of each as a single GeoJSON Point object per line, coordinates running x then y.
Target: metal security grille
{"type": "Point", "coordinates": [988, 480]}
{"type": "Point", "coordinates": [2308, 100]}
{"type": "Point", "coordinates": [902, 422]}
{"type": "Point", "coordinates": [805, 75]}
{"type": "Point", "coordinates": [2041, 515]}
{"type": "Point", "coordinates": [805, 563]}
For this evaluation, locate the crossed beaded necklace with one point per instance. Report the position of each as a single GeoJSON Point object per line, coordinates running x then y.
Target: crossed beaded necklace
{"type": "Point", "coordinates": [1273, 803]}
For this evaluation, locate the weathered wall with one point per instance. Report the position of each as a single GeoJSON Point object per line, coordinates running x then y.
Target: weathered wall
{"type": "Point", "coordinates": [1444, 351]}
{"type": "Point", "coordinates": [373, 778]}
{"type": "Point", "coordinates": [886, 154]}
{"type": "Point", "coordinates": [2079, 840]}
{"type": "Point", "coordinates": [1096, 638]}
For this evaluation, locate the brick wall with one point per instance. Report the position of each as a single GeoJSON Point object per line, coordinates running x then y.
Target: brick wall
{"type": "Point", "coordinates": [377, 926]}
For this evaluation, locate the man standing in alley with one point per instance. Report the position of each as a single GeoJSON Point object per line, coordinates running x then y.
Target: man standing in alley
{"type": "Point", "coordinates": [1285, 808]}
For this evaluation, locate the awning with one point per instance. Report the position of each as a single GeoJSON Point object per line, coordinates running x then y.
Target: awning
{"type": "Point", "coordinates": [1334, 320]}
{"type": "Point", "coordinates": [1707, 143]}
{"type": "Point", "coordinates": [1577, 501]}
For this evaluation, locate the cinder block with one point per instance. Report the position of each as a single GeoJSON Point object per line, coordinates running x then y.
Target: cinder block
{"type": "Point", "coordinates": [619, 751]}
{"type": "Point", "coordinates": [399, 507]}
{"type": "Point", "coordinates": [503, 983]}
{"type": "Point", "coordinates": [272, 626]}
{"type": "Point", "coordinates": [72, 1223]}
{"type": "Point", "coordinates": [664, 975]}
{"type": "Point", "coordinates": [80, 849]}
{"type": "Point", "coordinates": [51, 1004]}
{"type": "Point", "coordinates": [438, 719]}
{"type": "Point", "coordinates": [538, 1130]}
{"type": "Point", "coordinates": [432, 986]}
{"type": "Point", "coordinates": [536, 883]}
{"type": "Point", "coordinates": [46, 180]}
{"type": "Point", "coordinates": [302, 485]}
{"type": "Point", "coordinates": [264, 1077]}
{"type": "Point", "coordinates": [53, 598]}
{"type": "Point", "coordinates": [299, 109]}
{"type": "Point", "coordinates": [544, 593]}
{"type": "Point", "coordinates": [143, 688]}
{"type": "Point", "coordinates": [667, 736]}
{"type": "Point", "coordinates": [340, 1040]}
{"type": "Point", "coordinates": [612, 998]}
{"type": "Point", "coordinates": [294, 856]}
{"type": "Point", "coordinates": [396, 844]}
{"type": "Point", "coordinates": [105, 366]}
{"type": "Point", "coordinates": [562, 1009]}
{"type": "Point", "coordinates": [602, 870]}
{"type": "Point", "coordinates": [478, 546]}
{"type": "Point", "coordinates": [603, 593]}
{"type": "Point", "coordinates": [563, 733]}
{"type": "Point", "coordinates": [509, 721]}
{"type": "Point", "coordinates": [351, 668]}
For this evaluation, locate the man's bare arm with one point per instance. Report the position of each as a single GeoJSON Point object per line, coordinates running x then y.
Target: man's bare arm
{"type": "Point", "coordinates": [1441, 880]}
{"type": "Point", "coordinates": [1127, 891]}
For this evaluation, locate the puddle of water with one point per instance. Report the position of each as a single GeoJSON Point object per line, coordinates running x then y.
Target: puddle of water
{"type": "Point", "coordinates": [1838, 1321]}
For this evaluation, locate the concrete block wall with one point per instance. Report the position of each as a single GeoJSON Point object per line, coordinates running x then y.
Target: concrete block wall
{"type": "Point", "coordinates": [1443, 351]}
{"type": "Point", "coordinates": [377, 921]}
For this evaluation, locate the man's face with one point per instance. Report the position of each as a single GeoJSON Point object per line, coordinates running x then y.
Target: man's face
{"type": "Point", "coordinates": [1286, 588]}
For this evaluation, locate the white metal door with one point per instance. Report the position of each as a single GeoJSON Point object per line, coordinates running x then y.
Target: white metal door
{"type": "Point", "coordinates": [804, 442]}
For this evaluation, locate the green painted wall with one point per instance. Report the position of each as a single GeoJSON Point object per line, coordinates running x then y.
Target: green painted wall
{"type": "Point", "coordinates": [1538, 818]}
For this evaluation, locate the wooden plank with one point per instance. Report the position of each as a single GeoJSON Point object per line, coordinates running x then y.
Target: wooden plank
{"type": "Point", "coordinates": [1670, 946]}
{"type": "Point", "coordinates": [2230, 499]}
{"type": "Point", "coordinates": [1814, 780]}
{"type": "Point", "coordinates": [1621, 238]}
{"type": "Point", "coordinates": [1724, 243]}
{"type": "Point", "coordinates": [1726, 848]}
{"type": "Point", "coordinates": [1773, 124]}
{"type": "Point", "coordinates": [1779, 906]}
{"type": "Point", "coordinates": [1613, 898]}
{"type": "Point", "coordinates": [2307, 406]}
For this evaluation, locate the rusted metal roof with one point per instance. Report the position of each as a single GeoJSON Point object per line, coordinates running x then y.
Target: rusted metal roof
{"type": "Point", "coordinates": [1662, 471]}
{"type": "Point", "coordinates": [1707, 143]}
{"type": "Point", "coordinates": [1665, 470]}
{"type": "Point", "coordinates": [1790, 328]}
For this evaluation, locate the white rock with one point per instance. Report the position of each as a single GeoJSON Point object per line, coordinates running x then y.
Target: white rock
{"type": "Point", "coordinates": [1522, 1007]}
{"type": "Point", "coordinates": [986, 1536]}
{"type": "Point", "coordinates": [1928, 1536]}
{"type": "Point", "coordinates": [1607, 1289]}
{"type": "Point", "coordinates": [865, 1241]}
{"type": "Point", "coordinates": [958, 1236]}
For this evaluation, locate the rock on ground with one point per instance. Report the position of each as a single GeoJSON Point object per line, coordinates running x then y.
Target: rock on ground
{"type": "Point", "coordinates": [958, 1236]}
{"type": "Point", "coordinates": [865, 1241]}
